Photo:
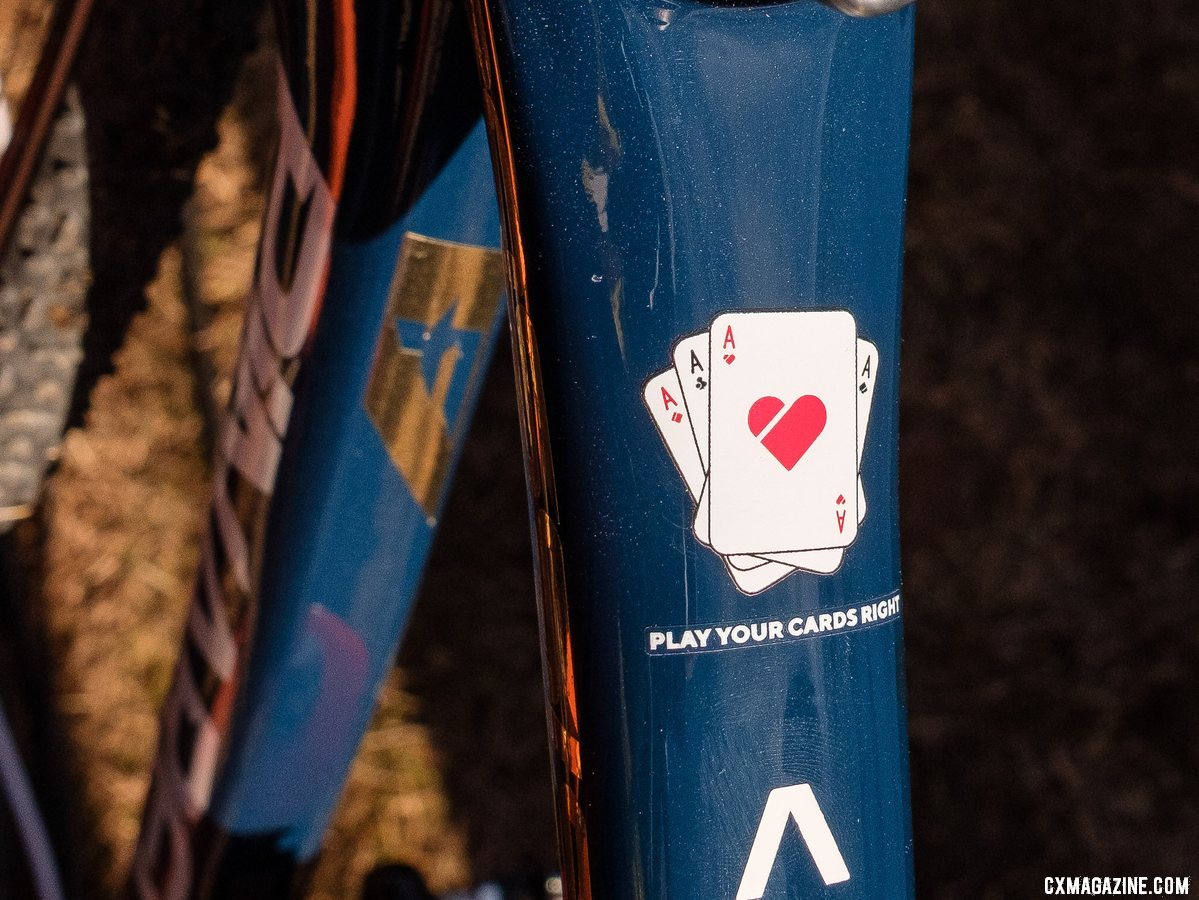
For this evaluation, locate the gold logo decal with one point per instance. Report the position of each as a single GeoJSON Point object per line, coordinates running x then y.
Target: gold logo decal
{"type": "Point", "coordinates": [443, 301]}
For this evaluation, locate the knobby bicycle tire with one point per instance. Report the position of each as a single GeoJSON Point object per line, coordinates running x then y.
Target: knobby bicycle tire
{"type": "Point", "coordinates": [44, 277]}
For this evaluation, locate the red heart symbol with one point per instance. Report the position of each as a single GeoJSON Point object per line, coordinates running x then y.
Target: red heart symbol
{"type": "Point", "coordinates": [794, 432]}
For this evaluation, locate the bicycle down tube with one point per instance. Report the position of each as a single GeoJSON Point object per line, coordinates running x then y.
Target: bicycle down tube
{"type": "Point", "coordinates": [377, 299]}
{"type": "Point", "coordinates": [703, 211]}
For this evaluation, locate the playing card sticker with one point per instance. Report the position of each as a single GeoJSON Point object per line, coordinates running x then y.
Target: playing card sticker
{"type": "Point", "coordinates": [751, 574]}
{"type": "Point", "coordinates": [765, 416]}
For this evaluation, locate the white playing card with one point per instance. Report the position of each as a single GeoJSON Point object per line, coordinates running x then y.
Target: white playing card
{"type": "Point", "coordinates": [867, 374]}
{"type": "Point", "coordinates": [867, 368]}
{"type": "Point", "coordinates": [691, 365]}
{"type": "Point", "coordinates": [759, 578]}
{"type": "Point", "coordinates": [782, 432]}
{"type": "Point", "coordinates": [743, 562]}
{"type": "Point", "coordinates": [663, 399]}
{"type": "Point", "coordinates": [820, 561]}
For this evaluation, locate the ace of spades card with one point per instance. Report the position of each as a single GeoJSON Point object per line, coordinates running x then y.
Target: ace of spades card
{"type": "Point", "coordinates": [765, 417]}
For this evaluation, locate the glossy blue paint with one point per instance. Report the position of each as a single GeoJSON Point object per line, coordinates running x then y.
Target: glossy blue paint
{"type": "Point", "coordinates": [671, 161]}
{"type": "Point", "coordinates": [347, 541]}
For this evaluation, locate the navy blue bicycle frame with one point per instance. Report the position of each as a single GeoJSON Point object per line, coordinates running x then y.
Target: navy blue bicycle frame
{"type": "Point", "coordinates": [667, 167]}
{"type": "Point", "coordinates": [722, 723]}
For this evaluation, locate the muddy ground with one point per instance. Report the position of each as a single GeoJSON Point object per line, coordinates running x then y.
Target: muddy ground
{"type": "Point", "coordinates": [1049, 477]}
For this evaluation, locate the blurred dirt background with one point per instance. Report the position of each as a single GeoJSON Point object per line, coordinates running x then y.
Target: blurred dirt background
{"type": "Point", "coordinates": [1049, 479]}
{"type": "Point", "coordinates": [117, 537]}
{"type": "Point", "coordinates": [23, 27]}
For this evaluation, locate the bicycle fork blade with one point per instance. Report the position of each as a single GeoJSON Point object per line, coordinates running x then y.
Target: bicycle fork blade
{"type": "Point", "coordinates": [703, 203]}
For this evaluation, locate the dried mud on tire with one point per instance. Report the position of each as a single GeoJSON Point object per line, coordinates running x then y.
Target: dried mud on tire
{"type": "Point", "coordinates": [44, 277]}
